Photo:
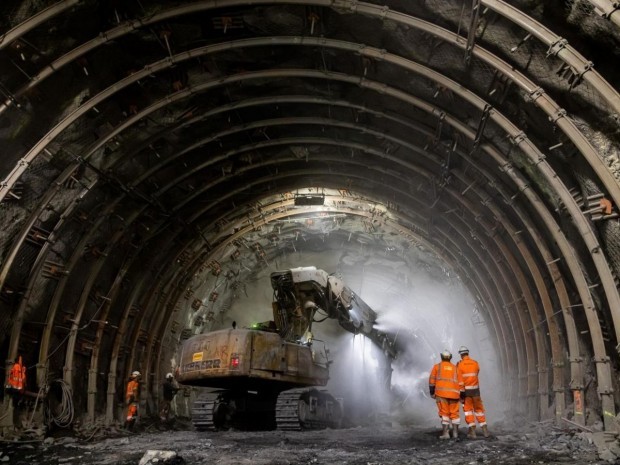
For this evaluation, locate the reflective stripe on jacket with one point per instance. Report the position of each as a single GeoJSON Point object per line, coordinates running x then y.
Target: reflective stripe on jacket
{"type": "Point", "coordinates": [445, 378]}
{"type": "Point", "coordinates": [468, 370]}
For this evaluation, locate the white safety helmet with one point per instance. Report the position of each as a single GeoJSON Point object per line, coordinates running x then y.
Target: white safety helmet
{"type": "Point", "coordinates": [446, 355]}
{"type": "Point", "coordinates": [135, 374]}
{"type": "Point", "coordinates": [169, 375]}
{"type": "Point", "coordinates": [463, 350]}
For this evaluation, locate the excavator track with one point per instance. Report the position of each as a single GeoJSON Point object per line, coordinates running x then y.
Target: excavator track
{"type": "Point", "coordinates": [202, 412]}
{"type": "Point", "coordinates": [287, 410]}
{"type": "Point", "coordinates": [307, 408]}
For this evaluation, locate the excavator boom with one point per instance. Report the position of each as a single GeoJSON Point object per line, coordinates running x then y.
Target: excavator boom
{"type": "Point", "coordinates": [299, 293]}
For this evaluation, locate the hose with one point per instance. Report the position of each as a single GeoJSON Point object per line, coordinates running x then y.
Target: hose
{"type": "Point", "coordinates": [64, 417]}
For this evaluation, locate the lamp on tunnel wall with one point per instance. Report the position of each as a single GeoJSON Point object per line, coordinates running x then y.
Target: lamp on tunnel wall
{"type": "Point", "coordinates": [309, 199]}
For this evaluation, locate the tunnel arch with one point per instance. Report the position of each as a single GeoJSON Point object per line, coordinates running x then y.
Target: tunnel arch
{"type": "Point", "coordinates": [526, 230]}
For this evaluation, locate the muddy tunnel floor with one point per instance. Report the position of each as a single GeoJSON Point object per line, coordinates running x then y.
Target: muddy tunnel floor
{"type": "Point", "coordinates": [540, 443]}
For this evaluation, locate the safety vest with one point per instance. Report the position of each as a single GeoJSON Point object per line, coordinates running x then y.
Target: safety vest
{"type": "Point", "coordinates": [445, 379]}
{"type": "Point", "coordinates": [468, 369]}
{"type": "Point", "coordinates": [132, 390]}
{"type": "Point", "coordinates": [17, 376]}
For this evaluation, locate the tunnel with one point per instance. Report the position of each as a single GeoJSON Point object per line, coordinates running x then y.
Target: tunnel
{"type": "Point", "coordinates": [159, 157]}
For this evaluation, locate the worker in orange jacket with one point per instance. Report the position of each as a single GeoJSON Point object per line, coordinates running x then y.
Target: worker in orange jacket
{"type": "Point", "coordinates": [16, 382]}
{"type": "Point", "coordinates": [132, 398]}
{"type": "Point", "coordinates": [446, 387]}
{"type": "Point", "coordinates": [468, 369]}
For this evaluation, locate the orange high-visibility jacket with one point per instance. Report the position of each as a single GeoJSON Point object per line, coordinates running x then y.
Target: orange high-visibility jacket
{"type": "Point", "coordinates": [17, 376]}
{"type": "Point", "coordinates": [444, 377]}
{"type": "Point", "coordinates": [468, 370]}
{"type": "Point", "coordinates": [133, 387]}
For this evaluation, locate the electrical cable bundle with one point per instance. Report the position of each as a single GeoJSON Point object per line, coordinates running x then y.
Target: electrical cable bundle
{"type": "Point", "coordinates": [64, 417]}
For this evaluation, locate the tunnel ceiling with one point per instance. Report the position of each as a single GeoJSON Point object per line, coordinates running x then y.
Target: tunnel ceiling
{"type": "Point", "coordinates": [147, 146]}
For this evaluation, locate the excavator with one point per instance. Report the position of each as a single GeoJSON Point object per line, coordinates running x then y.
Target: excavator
{"type": "Point", "coordinates": [268, 376]}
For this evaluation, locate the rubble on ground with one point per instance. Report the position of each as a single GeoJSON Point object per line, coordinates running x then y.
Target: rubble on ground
{"type": "Point", "coordinates": [532, 443]}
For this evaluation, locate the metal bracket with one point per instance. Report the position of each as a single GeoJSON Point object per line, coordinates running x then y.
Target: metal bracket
{"type": "Point", "coordinates": [578, 77]}
{"type": "Point", "coordinates": [536, 93]}
{"type": "Point", "coordinates": [473, 25]}
{"type": "Point", "coordinates": [506, 167]}
{"type": "Point", "coordinates": [557, 46]}
{"type": "Point", "coordinates": [516, 140]}
{"type": "Point", "coordinates": [541, 159]}
{"type": "Point", "coordinates": [481, 125]}
{"type": "Point", "coordinates": [384, 11]}
{"type": "Point", "coordinates": [561, 113]}
{"type": "Point", "coordinates": [615, 6]}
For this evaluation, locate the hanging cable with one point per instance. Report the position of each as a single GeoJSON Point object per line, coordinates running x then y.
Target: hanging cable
{"type": "Point", "coordinates": [64, 417]}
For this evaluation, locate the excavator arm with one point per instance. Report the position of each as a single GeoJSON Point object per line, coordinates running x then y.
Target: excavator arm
{"type": "Point", "coordinates": [300, 294]}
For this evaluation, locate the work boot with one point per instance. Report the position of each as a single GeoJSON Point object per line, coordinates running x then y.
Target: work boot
{"type": "Point", "coordinates": [471, 433]}
{"type": "Point", "coordinates": [455, 431]}
{"type": "Point", "coordinates": [485, 431]}
{"type": "Point", "coordinates": [445, 434]}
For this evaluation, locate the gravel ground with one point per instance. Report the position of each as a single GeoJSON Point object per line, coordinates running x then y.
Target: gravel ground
{"type": "Point", "coordinates": [539, 444]}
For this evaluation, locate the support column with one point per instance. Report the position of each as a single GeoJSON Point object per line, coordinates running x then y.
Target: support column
{"type": "Point", "coordinates": [559, 399]}
{"type": "Point", "coordinates": [576, 387]}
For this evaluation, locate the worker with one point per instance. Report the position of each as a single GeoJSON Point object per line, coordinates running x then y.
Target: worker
{"type": "Point", "coordinates": [170, 390]}
{"type": "Point", "coordinates": [446, 388]}
{"type": "Point", "coordinates": [132, 398]}
{"type": "Point", "coordinates": [16, 382]}
{"type": "Point", "coordinates": [473, 408]}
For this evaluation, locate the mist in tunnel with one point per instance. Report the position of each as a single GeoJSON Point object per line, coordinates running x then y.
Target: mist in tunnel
{"type": "Point", "coordinates": [424, 305]}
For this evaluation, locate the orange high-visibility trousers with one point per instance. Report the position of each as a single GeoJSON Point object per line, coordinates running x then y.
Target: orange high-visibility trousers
{"type": "Point", "coordinates": [448, 410]}
{"type": "Point", "coordinates": [132, 411]}
{"type": "Point", "coordinates": [473, 408]}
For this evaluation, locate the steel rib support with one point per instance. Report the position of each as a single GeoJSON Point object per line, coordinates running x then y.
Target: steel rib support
{"type": "Point", "coordinates": [607, 10]}
{"type": "Point", "coordinates": [525, 145]}
{"type": "Point", "coordinates": [546, 103]}
{"type": "Point", "coordinates": [35, 20]}
{"type": "Point", "coordinates": [568, 54]}
{"type": "Point", "coordinates": [59, 291]}
{"type": "Point", "coordinates": [93, 275]}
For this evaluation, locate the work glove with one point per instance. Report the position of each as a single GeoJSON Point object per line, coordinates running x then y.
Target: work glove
{"type": "Point", "coordinates": [431, 389]}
